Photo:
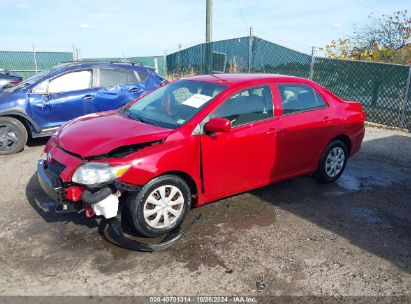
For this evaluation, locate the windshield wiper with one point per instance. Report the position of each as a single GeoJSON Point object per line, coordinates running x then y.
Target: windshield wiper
{"type": "Point", "coordinates": [129, 114]}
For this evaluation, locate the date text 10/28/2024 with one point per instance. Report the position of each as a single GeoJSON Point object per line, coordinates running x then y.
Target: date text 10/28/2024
{"type": "Point", "coordinates": [203, 299]}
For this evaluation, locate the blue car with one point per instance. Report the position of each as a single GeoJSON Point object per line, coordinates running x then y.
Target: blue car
{"type": "Point", "coordinates": [39, 105]}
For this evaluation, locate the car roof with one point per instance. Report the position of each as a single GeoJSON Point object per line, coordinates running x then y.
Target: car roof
{"type": "Point", "coordinates": [76, 65]}
{"type": "Point", "coordinates": [91, 64]}
{"type": "Point", "coordinates": [230, 79]}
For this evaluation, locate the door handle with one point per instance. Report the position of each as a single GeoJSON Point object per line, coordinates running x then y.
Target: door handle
{"type": "Point", "coordinates": [272, 131]}
{"type": "Point", "coordinates": [327, 119]}
{"type": "Point", "coordinates": [136, 90]}
{"type": "Point", "coordinates": [88, 97]}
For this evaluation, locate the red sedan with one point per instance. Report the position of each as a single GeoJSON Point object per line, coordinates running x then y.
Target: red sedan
{"type": "Point", "coordinates": [198, 140]}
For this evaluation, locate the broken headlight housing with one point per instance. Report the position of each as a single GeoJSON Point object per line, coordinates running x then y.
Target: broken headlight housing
{"type": "Point", "coordinates": [94, 173]}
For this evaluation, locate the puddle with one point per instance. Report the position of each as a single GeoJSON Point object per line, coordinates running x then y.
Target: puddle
{"type": "Point", "coordinates": [223, 222]}
{"type": "Point", "coordinates": [365, 175]}
{"type": "Point", "coordinates": [369, 216]}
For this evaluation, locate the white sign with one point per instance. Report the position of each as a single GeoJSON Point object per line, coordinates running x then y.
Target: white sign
{"type": "Point", "coordinates": [197, 100]}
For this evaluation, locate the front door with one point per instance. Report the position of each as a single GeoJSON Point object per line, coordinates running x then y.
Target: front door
{"type": "Point", "coordinates": [68, 96]}
{"type": "Point", "coordinates": [242, 158]}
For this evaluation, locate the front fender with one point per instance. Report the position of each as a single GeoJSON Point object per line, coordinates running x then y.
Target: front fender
{"type": "Point", "coordinates": [173, 155]}
{"type": "Point", "coordinates": [20, 112]}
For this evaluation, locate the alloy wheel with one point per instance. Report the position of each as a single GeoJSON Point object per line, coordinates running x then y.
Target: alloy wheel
{"type": "Point", "coordinates": [8, 137]}
{"type": "Point", "coordinates": [335, 161]}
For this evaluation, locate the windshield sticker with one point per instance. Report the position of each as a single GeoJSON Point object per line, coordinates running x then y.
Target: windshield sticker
{"type": "Point", "coordinates": [197, 100]}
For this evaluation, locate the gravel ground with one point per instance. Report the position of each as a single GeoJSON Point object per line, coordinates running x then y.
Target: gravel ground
{"type": "Point", "coordinates": [293, 238]}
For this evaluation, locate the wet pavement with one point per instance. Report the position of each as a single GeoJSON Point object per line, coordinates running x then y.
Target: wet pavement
{"type": "Point", "coordinates": [298, 237]}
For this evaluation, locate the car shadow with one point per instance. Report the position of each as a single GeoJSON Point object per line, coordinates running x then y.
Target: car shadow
{"type": "Point", "coordinates": [45, 206]}
{"type": "Point", "coordinates": [35, 142]}
{"type": "Point", "coordinates": [369, 205]}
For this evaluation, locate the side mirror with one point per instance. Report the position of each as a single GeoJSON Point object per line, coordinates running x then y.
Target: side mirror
{"type": "Point", "coordinates": [218, 124]}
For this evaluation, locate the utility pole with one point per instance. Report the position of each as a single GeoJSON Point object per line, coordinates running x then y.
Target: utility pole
{"type": "Point", "coordinates": [209, 19]}
{"type": "Point", "coordinates": [78, 54]}
{"type": "Point", "coordinates": [250, 49]}
{"type": "Point", "coordinates": [34, 58]}
{"type": "Point", "coordinates": [208, 50]}
{"type": "Point", "coordinates": [74, 53]}
{"type": "Point", "coordinates": [312, 63]}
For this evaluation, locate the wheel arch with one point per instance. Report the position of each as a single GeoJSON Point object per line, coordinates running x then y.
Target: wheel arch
{"type": "Point", "coordinates": [187, 178]}
{"type": "Point", "coordinates": [23, 118]}
{"type": "Point", "coordinates": [346, 140]}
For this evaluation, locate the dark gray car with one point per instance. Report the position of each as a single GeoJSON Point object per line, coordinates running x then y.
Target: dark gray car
{"type": "Point", "coordinates": [8, 79]}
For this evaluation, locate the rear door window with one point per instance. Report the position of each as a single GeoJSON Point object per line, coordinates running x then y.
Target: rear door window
{"type": "Point", "coordinates": [142, 75]}
{"type": "Point", "coordinates": [298, 98]}
{"type": "Point", "coordinates": [113, 77]}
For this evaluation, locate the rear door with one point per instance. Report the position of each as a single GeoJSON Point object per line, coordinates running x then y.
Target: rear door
{"type": "Point", "coordinates": [69, 95]}
{"type": "Point", "coordinates": [116, 87]}
{"type": "Point", "coordinates": [243, 158]}
{"type": "Point", "coordinates": [304, 128]}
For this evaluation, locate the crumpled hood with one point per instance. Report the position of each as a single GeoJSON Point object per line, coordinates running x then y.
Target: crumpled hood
{"type": "Point", "coordinates": [100, 133]}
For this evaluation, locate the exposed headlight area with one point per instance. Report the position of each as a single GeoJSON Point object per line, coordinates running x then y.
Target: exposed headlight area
{"type": "Point", "coordinates": [95, 173]}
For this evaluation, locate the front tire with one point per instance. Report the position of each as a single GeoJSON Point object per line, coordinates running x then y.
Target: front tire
{"type": "Point", "coordinates": [160, 206]}
{"type": "Point", "coordinates": [13, 135]}
{"type": "Point", "coordinates": [332, 163]}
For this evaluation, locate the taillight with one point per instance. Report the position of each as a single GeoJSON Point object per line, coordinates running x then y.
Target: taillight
{"type": "Point", "coordinates": [15, 81]}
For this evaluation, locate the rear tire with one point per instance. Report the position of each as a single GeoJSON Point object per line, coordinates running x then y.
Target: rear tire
{"type": "Point", "coordinates": [160, 206]}
{"type": "Point", "coordinates": [332, 163]}
{"type": "Point", "coordinates": [13, 135]}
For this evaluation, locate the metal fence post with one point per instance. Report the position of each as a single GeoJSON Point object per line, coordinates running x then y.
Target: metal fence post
{"type": "Point", "coordinates": [156, 64]}
{"type": "Point", "coordinates": [407, 90]}
{"type": "Point", "coordinates": [78, 54]}
{"type": "Point", "coordinates": [35, 59]}
{"type": "Point", "coordinates": [250, 49]}
{"type": "Point", "coordinates": [312, 63]}
{"type": "Point", "coordinates": [74, 53]}
{"type": "Point", "coordinates": [165, 62]}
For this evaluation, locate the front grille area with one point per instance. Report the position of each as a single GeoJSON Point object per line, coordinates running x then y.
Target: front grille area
{"type": "Point", "coordinates": [56, 168]}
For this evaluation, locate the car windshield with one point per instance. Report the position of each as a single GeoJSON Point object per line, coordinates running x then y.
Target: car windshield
{"type": "Point", "coordinates": [29, 81]}
{"type": "Point", "coordinates": [175, 104]}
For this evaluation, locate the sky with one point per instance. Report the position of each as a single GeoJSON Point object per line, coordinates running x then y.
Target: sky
{"type": "Point", "coordinates": [107, 28]}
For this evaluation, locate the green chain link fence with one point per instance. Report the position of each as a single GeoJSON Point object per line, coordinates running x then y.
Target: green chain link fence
{"type": "Point", "coordinates": [216, 57]}
{"type": "Point", "coordinates": [155, 62]}
{"type": "Point", "coordinates": [27, 64]}
{"type": "Point", "coordinates": [383, 89]}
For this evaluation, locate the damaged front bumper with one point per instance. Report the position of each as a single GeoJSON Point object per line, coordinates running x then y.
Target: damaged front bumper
{"type": "Point", "coordinates": [101, 202]}
{"type": "Point", "coordinates": [54, 189]}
